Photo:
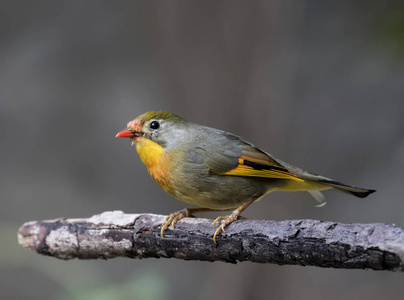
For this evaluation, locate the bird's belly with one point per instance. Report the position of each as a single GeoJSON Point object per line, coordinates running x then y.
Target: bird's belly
{"type": "Point", "coordinates": [222, 192]}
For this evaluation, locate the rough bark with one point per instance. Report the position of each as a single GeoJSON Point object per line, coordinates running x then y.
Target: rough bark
{"type": "Point", "coordinates": [294, 242]}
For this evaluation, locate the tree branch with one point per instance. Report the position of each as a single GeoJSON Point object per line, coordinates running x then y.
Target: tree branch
{"type": "Point", "coordinates": [295, 242]}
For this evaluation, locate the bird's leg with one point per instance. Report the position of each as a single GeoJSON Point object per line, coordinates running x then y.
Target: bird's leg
{"type": "Point", "coordinates": [231, 218]}
{"type": "Point", "coordinates": [176, 216]}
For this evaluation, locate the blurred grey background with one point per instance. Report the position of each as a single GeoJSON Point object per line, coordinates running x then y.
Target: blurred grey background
{"type": "Point", "coordinates": [318, 84]}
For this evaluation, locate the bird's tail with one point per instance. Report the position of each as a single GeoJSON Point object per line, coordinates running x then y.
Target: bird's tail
{"type": "Point", "coordinates": [353, 190]}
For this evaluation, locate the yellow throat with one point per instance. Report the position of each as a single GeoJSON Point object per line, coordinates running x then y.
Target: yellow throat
{"type": "Point", "coordinates": [151, 154]}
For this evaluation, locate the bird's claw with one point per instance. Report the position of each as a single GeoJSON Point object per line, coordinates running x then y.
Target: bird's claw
{"type": "Point", "coordinates": [226, 221]}
{"type": "Point", "coordinates": [173, 219]}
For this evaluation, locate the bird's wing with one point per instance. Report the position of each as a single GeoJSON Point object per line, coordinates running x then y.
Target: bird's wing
{"type": "Point", "coordinates": [228, 154]}
{"type": "Point", "coordinates": [256, 163]}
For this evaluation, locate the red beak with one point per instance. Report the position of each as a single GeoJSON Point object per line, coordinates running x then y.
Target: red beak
{"type": "Point", "coordinates": [125, 134]}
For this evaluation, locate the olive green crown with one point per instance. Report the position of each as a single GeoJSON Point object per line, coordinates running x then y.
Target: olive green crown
{"type": "Point", "coordinates": [160, 115]}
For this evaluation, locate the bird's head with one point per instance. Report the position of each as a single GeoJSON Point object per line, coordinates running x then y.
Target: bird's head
{"type": "Point", "coordinates": [161, 127]}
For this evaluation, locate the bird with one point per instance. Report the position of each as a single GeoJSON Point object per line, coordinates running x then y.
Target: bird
{"type": "Point", "coordinates": [215, 170]}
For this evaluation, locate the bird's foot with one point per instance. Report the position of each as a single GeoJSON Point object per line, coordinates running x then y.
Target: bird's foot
{"type": "Point", "coordinates": [226, 220]}
{"type": "Point", "coordinates": [174, 218]}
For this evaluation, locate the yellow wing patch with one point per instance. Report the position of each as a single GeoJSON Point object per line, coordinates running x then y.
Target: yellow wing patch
{"type": "Point", "coordinates": [249, 168]}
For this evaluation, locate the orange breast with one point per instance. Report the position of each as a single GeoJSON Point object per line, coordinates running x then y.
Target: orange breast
{"type": "Point", "coordinates": [152, 155]}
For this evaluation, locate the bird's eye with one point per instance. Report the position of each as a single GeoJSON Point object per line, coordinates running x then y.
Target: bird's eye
{"type": "Point", "coordinates": [154, 125]}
